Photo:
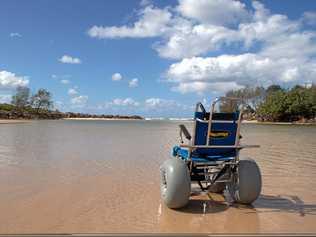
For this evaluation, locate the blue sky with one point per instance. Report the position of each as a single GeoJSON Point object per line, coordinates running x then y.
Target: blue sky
{"type": "Point", "coordinates": [153, 58]}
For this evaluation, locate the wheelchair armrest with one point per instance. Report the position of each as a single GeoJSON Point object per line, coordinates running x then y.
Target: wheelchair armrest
{"type": "Point", "coordinates": [185, 131]}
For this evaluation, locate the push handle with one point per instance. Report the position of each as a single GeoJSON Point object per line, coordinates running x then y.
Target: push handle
{"type": "Point", "coordinates": [184, 130]}
{"type": "Point", "coordinates": [199, 105]}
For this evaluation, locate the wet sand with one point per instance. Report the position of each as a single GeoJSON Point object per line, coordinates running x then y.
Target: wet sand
{"type": "Point", "coordinates": [103, 177]}
{"type": "Point", "coordinates": [101, 119]}
{"type": "Point", "coordinates": [12, 121]}
{"type": "Point", "coordinates": [277, 123]}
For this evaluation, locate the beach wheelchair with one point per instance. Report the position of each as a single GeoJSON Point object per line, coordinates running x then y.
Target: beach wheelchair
{"type": "Point", "coordinates": [210, 157]}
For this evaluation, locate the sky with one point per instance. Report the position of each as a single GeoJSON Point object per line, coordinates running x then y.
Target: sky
{"type": "Point", "coordinates": [153, 58]}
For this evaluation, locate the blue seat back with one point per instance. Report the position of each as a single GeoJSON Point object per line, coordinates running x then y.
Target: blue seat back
{"type": "Point", "coordinates": [223, 133]}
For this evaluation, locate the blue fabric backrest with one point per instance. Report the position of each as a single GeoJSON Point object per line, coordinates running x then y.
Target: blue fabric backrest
{"type": "Point", "coordinates": [199, 115]}
{"type": "Point", "coordinates": [222, 134]}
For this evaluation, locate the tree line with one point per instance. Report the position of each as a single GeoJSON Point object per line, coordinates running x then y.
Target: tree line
{"type": "Point", "coordinates": [41, 100]}
{"type": "Point", "coordinates": [25, 105]}
{"type": "Point", "coordinates": [40, 105]}
{"type": "Point", "coordinates": [277, 104]}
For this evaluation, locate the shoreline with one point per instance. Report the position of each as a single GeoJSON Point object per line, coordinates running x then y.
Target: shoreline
{"type": "Point", "coordinates": [13, 121]}
{"type": "Point", "coordinates": [275, 123]}
{"type": "Point", "coordinates": [102, 119]}
{"type": "Point", "coordinates": [16, 121]}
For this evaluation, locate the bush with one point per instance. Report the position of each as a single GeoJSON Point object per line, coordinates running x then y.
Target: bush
{"type": "Point", "coordinates": [7, 107]}
{"type": "Point", "coordinates": [293, 105]}
{"type": "Point", "coordinates": [277, 104]}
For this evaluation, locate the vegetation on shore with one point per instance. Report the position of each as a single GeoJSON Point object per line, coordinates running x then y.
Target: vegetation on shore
{"type": "Point", "coordinates": [276, 104]}
{"type": "Point", "coordinates": [271, 104]}
{"type": "Point", "coordinates": [40, 106]}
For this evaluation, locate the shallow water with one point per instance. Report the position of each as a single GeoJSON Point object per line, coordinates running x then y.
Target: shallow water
{"type": "Point", "coordinates": [103, 177]}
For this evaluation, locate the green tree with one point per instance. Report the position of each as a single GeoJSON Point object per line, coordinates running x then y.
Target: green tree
{"type": "Point", "coordinates": [274, 107]}
{"type": "Point", "coordinates": [291, 105]}
{"type": "Point", "coordinates": [251, 96]}
{"type": "Point", "coordinates": [301, 103]}
{"type": "Point", "coordinates": [42, 100]}
{"type": "Point", "coordinates": [21, 97]}
{"type": "Point", "coordinates": [273, 88]}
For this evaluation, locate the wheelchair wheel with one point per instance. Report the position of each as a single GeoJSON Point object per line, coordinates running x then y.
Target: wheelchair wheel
{"type": "Point", "coordinates": [246, 185]}
{"type": "Point", "coordinates": [175, 183]}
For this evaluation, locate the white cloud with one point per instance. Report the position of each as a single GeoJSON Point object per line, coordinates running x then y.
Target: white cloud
{"type": "Point", "coordinates": [143, 3]}
{"type": "Point", "coordinates": [79, 101]}
{"type": "Point", "coordinates": [153, 102]}
{"type": "Point", "coordinates": [215, 12]}
{"type": "Point", "coordinates": [269, 48]}
{"type": "Point", "coordinates": [310, 17]}
{"type": "Point", "coordinates": [124, 102]}
{"type": "Point", "coordinates": [62, 78]}
{"type": "Point", "coordinates": [266, 28]}
{"type": "Point", "coordinates": [150, 105]}
{"type": "Point", "coordinates": [160, 104]}
{"type": "Point", "coordinates": [228, 72]}
{"type": "Point", "coordinates": [72, 92]}
{"type": "Point", "coordinates": [200, 87]}
{"type": "Point", "coordinates": [182, 37]}
{"type": "Point", "coordinates": [189, 40]}
{"type": "Point", "coordinates": [120, 105]}
{"type": "Point", "coordinates": [69, 59]}
{"type": "Point", "coordinates": [9, 80]}
{"type": "Point", "coordinates": [5, 98]}
{"type": "Point", "coordinates": [133, 83]}
{"type": "Point", "coordinates": [15, 34]}
{"type": "Point", "coordinates": [117, 77]}
{"type": "Point", "coordinates": [299, 46]}
{"type": "Point", "coordinates": [152, 22]}
{"type": "Point", "coordinates": [64, 81]}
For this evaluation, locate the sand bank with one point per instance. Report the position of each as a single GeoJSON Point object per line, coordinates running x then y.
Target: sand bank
{"type": "Point", "coordinates": [12, 121]}
{"type": "Point", "coordinates": [111, 119]}
{"type": "Point", "coordinates": [275, 123]}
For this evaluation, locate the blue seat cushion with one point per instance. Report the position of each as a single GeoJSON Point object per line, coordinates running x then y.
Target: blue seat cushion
{"type": "Point", "coordinates": [184, 154]}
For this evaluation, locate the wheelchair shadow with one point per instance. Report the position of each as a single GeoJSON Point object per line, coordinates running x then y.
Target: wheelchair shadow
{"type": "Point", "coordinates": [264, 204]}
{"type": "Point", "coordinates": [204, 204]}
{"type": "Point", "coordinates": [279, 203]}
{"type": "Point", "coordinates": [203, 207]}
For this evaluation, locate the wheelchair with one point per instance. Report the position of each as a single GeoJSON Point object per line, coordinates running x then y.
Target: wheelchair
{"type": "Point", "coordinates": [210, 157]}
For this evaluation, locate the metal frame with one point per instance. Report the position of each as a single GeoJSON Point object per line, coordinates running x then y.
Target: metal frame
{"type": "Point", "coordinates": [208, 167]}
{"type": "Point", "coordinates": [212, 108]}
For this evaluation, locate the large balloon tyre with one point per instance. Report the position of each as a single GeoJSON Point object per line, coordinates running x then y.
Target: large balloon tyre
{"type": "Point", "coordinates": [175, 183]}
{"type": "Point", "coordinates": [246, 185]}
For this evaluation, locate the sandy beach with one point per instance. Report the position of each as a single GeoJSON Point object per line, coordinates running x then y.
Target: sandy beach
{"type": "Point", "coordinates": [103, 177]}
{"type": "Point", "coordinates": [12, 121]}
{"type": "Point", "coordinates": [275, 123]}
{"type": "Point", "coordinates": [101, 119]}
